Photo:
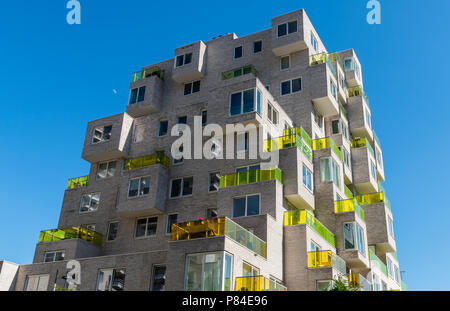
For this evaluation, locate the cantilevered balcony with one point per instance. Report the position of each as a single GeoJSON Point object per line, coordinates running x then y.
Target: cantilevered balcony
{"type": "Point", "coordinates": [324, 92]}
{"type": "Point", "coordinates": [292, 218]}
{"type": "Point", "coordinates": [70, 233]}
{"type": "Point", "coordinates": [346, 206]}
{"type": "Point", "coordinates": [358, 113]}
{"type": "Point", "coordinates": [376, 263]}
{"type": "Point", "coordinates": [378, 157]}
{"type": "Point", "coordinates": [146, 92]}
{"type": "Point", "coordinates": [190, 62]}
{"type": "Point", "coordinates": [239, 72]}
{"type": "Point", "coordinates": [250, 176]}
{"type": "Point", "coordinates": [358, 281]}
{"type": "Point", "coordinates": [323, 259]}
{"type": "Point", "coordinates": [152, 159]}
{"type": "Point", "coordinates": [257, 284]}
{"type": "Point", "coordinates": [364, 167]}
{"type": "Point", "coordinates": [327, 143]}
{"type": "Point", "coordinates": [77, 182]}
{"type": "Point", "coordinates": [289, 34]}
{"type": "Point", "coordinates": [218, 227]}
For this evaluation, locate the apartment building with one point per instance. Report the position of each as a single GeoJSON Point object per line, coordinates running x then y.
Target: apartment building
{"type": "Point", "coordinates": [144, 220]}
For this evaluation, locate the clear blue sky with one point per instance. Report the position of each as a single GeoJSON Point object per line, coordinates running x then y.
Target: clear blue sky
{"type": "Point", "coordinates": [55, 77]}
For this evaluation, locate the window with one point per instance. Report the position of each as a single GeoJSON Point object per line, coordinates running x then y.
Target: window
{"type": "Point", "coordinates": [112, 230]}
{"type": "Point", "coordinates": [324, 285]}
{"type": "Point", "coordinates": [315, 247]}
{"type": "Point", "coordinates": [396, 274]}
{"type": "Point", "coordinates": [137, 95]}
{"type": "Point", "coordinates": [245, 101]}
{"type": "Point", "coordinates": [367, 116]}
{"type": "Point", "coordinates": [180, 160]}
{"type": "Point", "coordinates": [102, 133]}
{"type": "Point", "coordinates": [111, 280]}
{"type": "Point", "coordinates": [89, 202]}
{"type": "Point", "coordinates": [181, 187]}
{"type": "Point", "coordinates": [378, 156]}
{"type": "Point", "coordinates": [238, 52]}
{"type": "Point", "coordinates": [350, 64]}
{"type": "Point", "coordinates": [354, 237]}
{"type": "Point", "coordinates": [146, 227]}
{"type": "Point", "coordinates": [372, 170]}
{"type": "Point", "coordinates": [249, 270]}
{"type": "Point", "coordinates": [246, 206]}
{"type": "Point", "coordinates": [182, 60]}
{"type": "Point", "coordinates": [208, 272]}
{"type": "Point", "coordinates": [314, 43]}
{"type": "Point", "coordinates": [346, 157]}
{"type": "Point", "coordinates": [383, 286]}
{"type": "Point", "coordinates": [333, 89]}
{"type": "Point", "coordinates": [317, 118]}
{"type": "Point", "coordinates": [339, 127]}
{"type": "Point", "coordinates": [36, 283]}
{"type": "Point", "coordinates": [307, 178]}
{"type": "Point", "coordinates": [391, 227]}
{"type": "Point", "coordinates": [138, 187]}
{"type": "Point", "coordinates": [171, 219]}
{"type": "Point", "coordinates": [204, 117]}
{"type": "Point", "coordinates": [214, 181]}
{"type": "Point", "coordinates": [54, 256]}
{"type": "Point", "coordinates": [257, 46]}
{"type": "Point", "coordinates": [211, 212]}
{"type": "Point", "coordinates": [291, 86]}
{"type": "Point", "coordinates": [284, 62]}
{"type": "Point", "coordinates": [182, 120]}
{"type": "Point", "coordinates": [242, 142]}
{"type": "Point", "coordinates": [375, 285]}
{"type": "Point", "coordinates": [106, 169]}
{"type": "Point", "coordinates": [159, 278]}
{"type": "Point", "coordinates": [192, 87]}
{"type": "Point", "coordinates": [287, 28]}
{"type": "Point", "coordinates": [330, 171]}
{"type": "Point", "coordinates": [389, 268]}
{"type": "Point", "coordinates": [163, 127]}
{"type": "Point", "coordinates": [138, 133]}
{"type": "Point", "coordinates": [272, 113]}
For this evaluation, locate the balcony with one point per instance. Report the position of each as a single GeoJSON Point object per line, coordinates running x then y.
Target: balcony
{"type": "Point", "coordinates": [361, 143]}
{"type": "Point", "coordinates": [77, 182]}
{"type": "Point", "coordinates": [373, 198]}
{"type": "Point", "coordinates": [195, 69]}
{"type": "Point", "coordinates": [377, 263]}
{"type": "Point", "coordinates": [345, 206]}
{"type": "Point", "coordinates": [327, 143]}
{"type": "Point", "coordinates": [293, 39]}
{"type": "Point", "coordinates": [107, 138]}
{"type": "Point", "coordinates": [257, 284]}
{"type": "Point", "coordinates": [288, 141]}
{"type": "Point", "coordinates": [299, 217]}
{"type": "Point", "coordinates": [358, 112]}
{"type": "Point", "coordinates": [71, 233]}
{"type": "Point", "coordinates": [365, 177]}
{"type": "Point", "coordinates": [218, 227]}
{"type": "Point", "coordinates": [321, 58]}
{"type": "Point", "coordinates": [250, 176]}
{"type": "Point", "coordinates": [146, 92]}
{"type": "Point", "coordinates": [357, 280]}
{"type": "Point", "coordinates": [238, 72]}
{"type": "Point", "coordinates": [326, 259]}
{"type": "Point", "coordinates": [325, 91]}
{"type": "Point", "coordinates": [156, 158]}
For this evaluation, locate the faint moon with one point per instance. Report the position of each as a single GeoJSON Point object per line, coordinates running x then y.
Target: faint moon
{"type": "Point", "coordinates": [114, 91]}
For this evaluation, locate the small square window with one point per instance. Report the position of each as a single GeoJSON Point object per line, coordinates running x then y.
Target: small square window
{"type": "Point", "coordinates": [238, 52]}
{"type": "Point", "coordinates": [146, 226]}
{"type": "Point", "coordinates": [257, 46]}
{"type": "Point", "coordinates": [102, 133]}
{"type": "Point", "coordinates": [282, 30]}
{"type": "Point", "coordinates": [284, 62]}
{"type": "Point", "coordinates": [163, 127]}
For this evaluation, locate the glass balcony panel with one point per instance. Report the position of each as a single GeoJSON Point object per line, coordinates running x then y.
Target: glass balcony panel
{"type": "Point", "coordinates": [257, 283]}
{"type": "Point", "coordinates": [77, 182]}
{"type": "Point", "coordinates": [70, 233]}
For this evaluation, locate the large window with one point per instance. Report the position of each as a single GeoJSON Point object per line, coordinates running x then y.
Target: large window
{"type": "Point", "coordinates": [36, 282]}
{"type": "Point", "coordinates": [246, 206]}
{"type": "Point", "coordinates": [354, 237]}
{"type": "Point", "coordinates": [159, 278]}
{"type": "Point", "coordinates": [287, 28]}
{"type": "Point", "coordinates": [138, 187]}
{"type": "Point", "coordinates": [291, 86]}
{"type": "Point", "coordinates": [307, 177]}
{"type": "Point", "coordinates": [146, 227]}
{"type": "Point", "coordinates": [330, 171]}
{"type": "Point", "coordinates": [111, 280]}
{"type": "Point", "coordinates": [208, 272]}
{"type": "Point", "coordinates": [106, 169]}
{"type": "Point", "coordinates": [182, 60]}
{"type": "Point", "coordinates": [54, 256]}
{"type": "Point", "coordinates": [102, 133]}
{"type": "Point", "coordinates": [89, 202]}
{"type": "Point", "coordinates": [181, 187]}
{"type": "Point", "coordinates": [245, 101]}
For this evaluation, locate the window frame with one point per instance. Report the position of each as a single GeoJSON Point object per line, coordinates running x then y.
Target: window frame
{"type": "Point", "coordinates": [181, 187]}
{"type": "Point", "coordinates": [209, 181]}
{"type": "Point", "coordinates": [146, 227]}
{"type": "Point", "coordinates": [304, 168]}
{"type": "Point", "coordinates": [107, 170]}
{"type": "Point", "coordinates": [139, 188]}
{"type": "Point", "coordinates": [102, 139]}
{"type": "Point", "coordinates": [287, 28]}
{"type": "Point", "coordinates": [246, 196]}
{"type": "Point", "coordinates": [54, 255]}
{"type": "Point", "coordinates": [175, 63]}
{"type": "Point", "coordinates": [159, 127]}
{"type": "Point", "coordinates": [152, 281]}
{"type": "Point", "coordinates": [281, 62]}
{"type": "Point", "coordinates": [290, 86]}
{"type": "Point", "coordinates": [257, 95]}
{"type": "Point", "coordinates": [191, 89]}
{"type": "Point", "coordinates": [169, 229]}
{"type": "Point", "coordinates": [109, 230]}
{"type": "Point", "coordinates": [90, 201]}
{"type": "Point", "coordinates": [274, 112]}
{"type": "Point", "coordinates": [254, 45]}
{"type": "Point", "coordinates": [234, 51]}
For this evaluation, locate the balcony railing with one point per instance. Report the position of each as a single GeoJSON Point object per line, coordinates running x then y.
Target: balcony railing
{"type": "Point", "coordinates": [71, 233]}
{"type": "Point", "coordinates": [357, 91]}
{"type": "Point", "coordinates": [286, 142]}
{"type": "Point", "coordinates": [156, 158]}
{"type": "Point", "coordinates": [362, 142]}
{"type": "Point", "coordinates": [357, 280]}
{"type": "Point", "coordinates": [334, 57]}
{"type": "Point", "coordinates": [326, 259]}
{"type": "Point", "coordinates": [372, 198]}
{"type": "Point", "coordinates": [155, 71]}
{"type": "Point", "coordinates": [325, 143]}
{"type": "Point", "coordinates": [239, 72]}
{"type": "Point", "coordinates": [305, 217]}
{"type": "Point", "coordinates": [344, 206]}
{"type": "Point", "coordinates": [377, 262]}
{"type": "Point", "coordinates": [300, 132]}
{"type": "Point", "coordinates": [257, 284]}
{"type": "Point", "coordinates": [348, 193]}
{"type": "Point", "coordinates": [321, 58]}
{"type": "Point", "coordinates": [250, 176]}
{"type": "Point", "coordinates": [218, 227]}
{"type": "Point", "coordinates": [77, 182]}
